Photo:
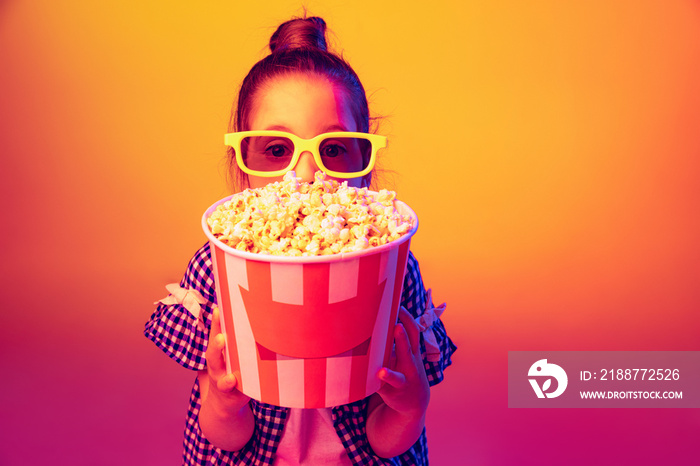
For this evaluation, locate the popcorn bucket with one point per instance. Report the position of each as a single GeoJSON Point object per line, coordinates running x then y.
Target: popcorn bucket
{"type": "Point", "coordinates": [309, 332]}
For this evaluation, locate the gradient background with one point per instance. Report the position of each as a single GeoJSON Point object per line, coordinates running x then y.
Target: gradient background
{"type": "Point", "coordinates": [549, 148]}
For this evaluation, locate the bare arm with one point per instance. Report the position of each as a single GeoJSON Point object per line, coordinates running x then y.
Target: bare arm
{"type": "Point", "coordinates": [225, 417]}
{"type": "Point", "coordinates": [396, 413]}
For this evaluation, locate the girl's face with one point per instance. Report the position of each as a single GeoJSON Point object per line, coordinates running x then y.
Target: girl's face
{"type": "Point", "coordinates": [305, 106]}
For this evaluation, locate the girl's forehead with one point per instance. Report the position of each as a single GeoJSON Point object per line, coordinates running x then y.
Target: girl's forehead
{"type": "Point", "coordinates": [305, 105]}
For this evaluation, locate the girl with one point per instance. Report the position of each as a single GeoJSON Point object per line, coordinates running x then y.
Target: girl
{"type": "Point", "coordinates": [304, 90]}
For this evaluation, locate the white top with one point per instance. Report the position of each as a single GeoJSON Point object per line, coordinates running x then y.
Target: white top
{"type": "Point", "coordinates": [310, 438]}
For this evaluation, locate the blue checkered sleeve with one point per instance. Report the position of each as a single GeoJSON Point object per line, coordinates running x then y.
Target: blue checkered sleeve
{"type": "Point", "coordinates": [350, 424]}
{"type": "Point", "coordinates": [174, 329]}
{"type": "Point", "coordinates": [260, 450]}
{"type": "Point", "coordinates": [414, 300]}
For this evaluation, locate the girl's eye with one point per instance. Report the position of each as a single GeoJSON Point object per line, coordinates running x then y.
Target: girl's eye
{"type": "Point", "coordinates": [277, 150]}
{"type": "Point", "coordinates": [333, 150]}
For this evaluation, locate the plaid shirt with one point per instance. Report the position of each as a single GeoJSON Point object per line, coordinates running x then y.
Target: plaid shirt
{"type": "Point", "coordinates": [175, 331]}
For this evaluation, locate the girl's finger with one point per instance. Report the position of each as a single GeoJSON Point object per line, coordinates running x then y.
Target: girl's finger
{"type": "Point", "coordinates": [411, 329]}
{"type": "Point", "coordinates": [215, 356]}
{"type": "Point", "coordinates": [226, 383]}
{"type": "Point", "coordinates": [215, 323]}
{"type": "Point", "coordinates": [404, 356]}
{"type": "Point", "coordinates": [393, 378]}
{"type": "Point", "coordinates": [216, 343]}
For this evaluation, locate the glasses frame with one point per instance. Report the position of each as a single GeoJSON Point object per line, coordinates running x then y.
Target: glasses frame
{"type": "Point", "coordinates": [305, 145]}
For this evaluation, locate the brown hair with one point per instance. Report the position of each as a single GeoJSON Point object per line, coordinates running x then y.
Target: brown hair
{"type": "Point", "coordinates": [297, 46]}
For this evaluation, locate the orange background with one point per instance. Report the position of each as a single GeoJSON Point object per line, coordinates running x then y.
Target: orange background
{"type": "Point", "coordinates": [549, 148]}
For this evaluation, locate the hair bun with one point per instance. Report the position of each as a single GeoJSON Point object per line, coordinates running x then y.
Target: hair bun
{"type": "Point", "coordinates": [300, 33]}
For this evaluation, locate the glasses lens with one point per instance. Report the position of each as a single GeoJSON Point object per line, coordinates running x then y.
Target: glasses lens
{"type": "Point", "coordinates": [345, 155]}
{"type": "Point", "coordinates": [267, 153]}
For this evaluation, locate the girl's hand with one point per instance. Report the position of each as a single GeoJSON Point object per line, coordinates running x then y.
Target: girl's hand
{"type": "Point", "coordinates": [405, 389]}
{"type": "Point", "coordinates": [220, 388]}
{"type": "Point", "coordinates": [225, 416]}
{"type": "Point", "coordinates": [396, 413]}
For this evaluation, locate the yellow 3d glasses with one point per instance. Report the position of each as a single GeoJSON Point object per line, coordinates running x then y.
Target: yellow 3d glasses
{"type": "Point", "coordinates": [274, 153]}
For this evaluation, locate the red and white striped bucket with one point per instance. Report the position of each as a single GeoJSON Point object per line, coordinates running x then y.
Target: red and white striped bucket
{"type": "Point", "coordinates": [309, 332]}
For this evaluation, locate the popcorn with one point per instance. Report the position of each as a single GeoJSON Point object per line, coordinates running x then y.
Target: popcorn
{"type": "Point", "coordinates": [294, 218]}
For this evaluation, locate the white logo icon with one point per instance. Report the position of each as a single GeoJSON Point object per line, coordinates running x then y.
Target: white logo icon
{"type": "Point", "coordinates": [543, 369]}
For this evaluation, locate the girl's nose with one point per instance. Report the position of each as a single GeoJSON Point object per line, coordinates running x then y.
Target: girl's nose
{"type": "Point", "coordinates": [306, 167]}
